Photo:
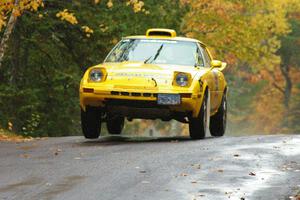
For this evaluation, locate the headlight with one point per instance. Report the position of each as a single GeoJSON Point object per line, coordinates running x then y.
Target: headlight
{"type": "Point", "coordinates": [97, 75]}
{"type": "Point", "coordinates": [182, 79]}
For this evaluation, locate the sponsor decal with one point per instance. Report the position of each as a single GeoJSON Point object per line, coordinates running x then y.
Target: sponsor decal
{"type": "Point", "coordinates": [141, 75]}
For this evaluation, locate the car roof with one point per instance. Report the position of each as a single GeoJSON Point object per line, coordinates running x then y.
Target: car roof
{"type": "Point", "coordinates": [164, 38]}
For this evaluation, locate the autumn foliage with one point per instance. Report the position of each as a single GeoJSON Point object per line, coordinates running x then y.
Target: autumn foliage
{"type": "Point", "coordinates": [241, 31]}
{"type": "Point", "coordinates": [55, 41]}
{"type": "Point", "coordinates": [249, 36]}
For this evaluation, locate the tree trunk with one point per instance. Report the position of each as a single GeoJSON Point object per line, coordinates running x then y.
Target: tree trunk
{"type": "Point", "coordinates": [285, 69]}
{"type": "Point", "coordinates": [15, 60]}
{"type": "Point", "coordinates": [9, 28]}
{"type": "Point", "coordinates": [288, 84]}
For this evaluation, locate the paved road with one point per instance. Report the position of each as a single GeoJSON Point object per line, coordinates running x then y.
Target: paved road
{"type": "Point", "coordinates": [124, 168]}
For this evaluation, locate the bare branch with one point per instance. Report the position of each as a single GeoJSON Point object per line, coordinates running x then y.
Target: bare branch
{"type": "Point", "coordinates": [279, 88]}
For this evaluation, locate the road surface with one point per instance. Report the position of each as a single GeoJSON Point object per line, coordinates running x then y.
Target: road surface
{"type": "Point", "coordinates": [125, 168]}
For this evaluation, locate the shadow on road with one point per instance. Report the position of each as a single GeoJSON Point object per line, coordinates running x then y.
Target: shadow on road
{"type": "Point", "coordinates": [119, 140]}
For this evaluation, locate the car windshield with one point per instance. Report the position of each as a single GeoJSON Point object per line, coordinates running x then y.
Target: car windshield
{"type": "Point", "coordinates": [156, 52]}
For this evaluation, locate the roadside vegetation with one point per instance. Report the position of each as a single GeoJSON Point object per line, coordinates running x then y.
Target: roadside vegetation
{"type": "Point", "coordinates": [47, 45]}
{"type": "Point", "coordinates": [7, 136]}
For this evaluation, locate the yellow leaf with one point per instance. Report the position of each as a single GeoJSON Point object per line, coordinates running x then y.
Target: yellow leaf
{"type": "Point", "coordinates": [65, 15]}
{"type": "Point", "coordinates": [110, 4]}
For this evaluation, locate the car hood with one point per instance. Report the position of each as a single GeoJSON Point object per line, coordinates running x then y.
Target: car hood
{"type": "Point", "coordinates": [147, 70]}
{"type": "Point", "coordinates": [138, 73]}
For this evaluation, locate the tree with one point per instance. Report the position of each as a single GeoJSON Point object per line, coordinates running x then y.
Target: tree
{"type": "Point", "coordinates": [50, 49]}
{"type": "Point", "coordinates": [14, 9]}
{"type": "Point", "coordinates": [289, 67]}
{"type": "Point", "coordinates": [240, 31]}
{"type": "Point", "coordinates": [248, 35]}
{"type": "Point", "coordinates": [289, 53]}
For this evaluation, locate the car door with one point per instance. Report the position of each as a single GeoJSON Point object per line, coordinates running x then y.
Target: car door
{"type": "Point", "coordinates": [213, 80]}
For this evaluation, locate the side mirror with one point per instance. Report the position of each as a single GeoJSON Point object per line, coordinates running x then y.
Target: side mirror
{"type": "Point", "coordinates": [218, 64]}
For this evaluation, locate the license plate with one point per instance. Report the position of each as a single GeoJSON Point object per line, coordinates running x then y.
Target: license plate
{"type": "Point", "coordinates": [168, 99]}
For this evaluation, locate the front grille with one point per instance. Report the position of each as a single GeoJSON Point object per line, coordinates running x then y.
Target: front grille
{"type": "Point", "coordinates": [133, 103]}
{"type": "Point", "coordinates": [138, 94]}
{"type": "Point", "coordinates": [134, 94]}
{"type": "Point", "coordinates": [147, 94]}
{"type": "Point", "coordinates": [125, 93]}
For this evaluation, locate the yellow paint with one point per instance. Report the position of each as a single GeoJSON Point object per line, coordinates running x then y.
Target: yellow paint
{"type": "Point", "coordinates": [155, 30]}
{"type": "Point", "coordinates": [137, 77]}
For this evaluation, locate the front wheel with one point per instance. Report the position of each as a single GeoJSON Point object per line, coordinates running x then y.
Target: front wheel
{"type": "Point", "coordinates": [199, 126]}
{"type": "Point", "coordinates": [91, 122]}
{"type": "Point", "coordinates": [219, 120]}
{"type": "Point", "coordinates": [115, 124]}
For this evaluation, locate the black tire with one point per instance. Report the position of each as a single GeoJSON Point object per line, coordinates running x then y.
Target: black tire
{"type": "Point", "coordinates": [198, 125]}
{"type": "Point", "coordinates": [218, 121]}
{"type": "Point", "coordinates": [91, 122]}
{"type": "Point", "coordinates": [115, 124]}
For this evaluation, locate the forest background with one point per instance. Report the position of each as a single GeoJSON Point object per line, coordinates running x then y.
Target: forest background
{"type": "Point", "coordinates": [46, 45]}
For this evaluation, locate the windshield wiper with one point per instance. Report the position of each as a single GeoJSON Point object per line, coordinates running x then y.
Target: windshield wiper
{"type": "Point", "coordinates": [147, 59]}
{"type": "Point", "coordinates": [156, 55]}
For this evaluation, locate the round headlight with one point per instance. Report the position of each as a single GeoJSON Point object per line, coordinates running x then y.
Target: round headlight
{"type": "Point", "coordinates": [182, 79]}
{"type": "Point", "coordinates": [96, 75]}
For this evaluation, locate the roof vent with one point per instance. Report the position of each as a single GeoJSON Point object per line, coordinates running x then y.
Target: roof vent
{"type": "Point", "coordinates": [161, 32]}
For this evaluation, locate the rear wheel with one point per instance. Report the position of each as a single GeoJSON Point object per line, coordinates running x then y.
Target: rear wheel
{"type": "Point", "coordinates": [198, 126]}
{"type": "Point", "coordinates": [91, 122]}
{"type": "Point", "coordinates": [219, 120]}
{"type": "Point", "coordinates": [115, 124]}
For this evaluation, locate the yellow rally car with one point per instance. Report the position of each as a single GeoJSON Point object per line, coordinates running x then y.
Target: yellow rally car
{"type": "Point", "coordinates": [156, 76]}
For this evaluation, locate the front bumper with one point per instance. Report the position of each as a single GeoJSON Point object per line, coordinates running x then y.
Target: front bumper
{"type": "Point", "coordinates": [190, 100]}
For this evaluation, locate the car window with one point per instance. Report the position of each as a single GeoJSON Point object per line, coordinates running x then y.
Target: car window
{"type": "Point", "coordinates": [200, 60]}
{"type": "Point", "coordinates": [207, 59]}
{"type": "Point", "coordinates": [157, 51]}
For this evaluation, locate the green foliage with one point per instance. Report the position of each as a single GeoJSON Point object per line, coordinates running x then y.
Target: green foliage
{"type": "Point", "coordinates": [290, 47]}
{"type": "Point", "coordinates": [47, 56]}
